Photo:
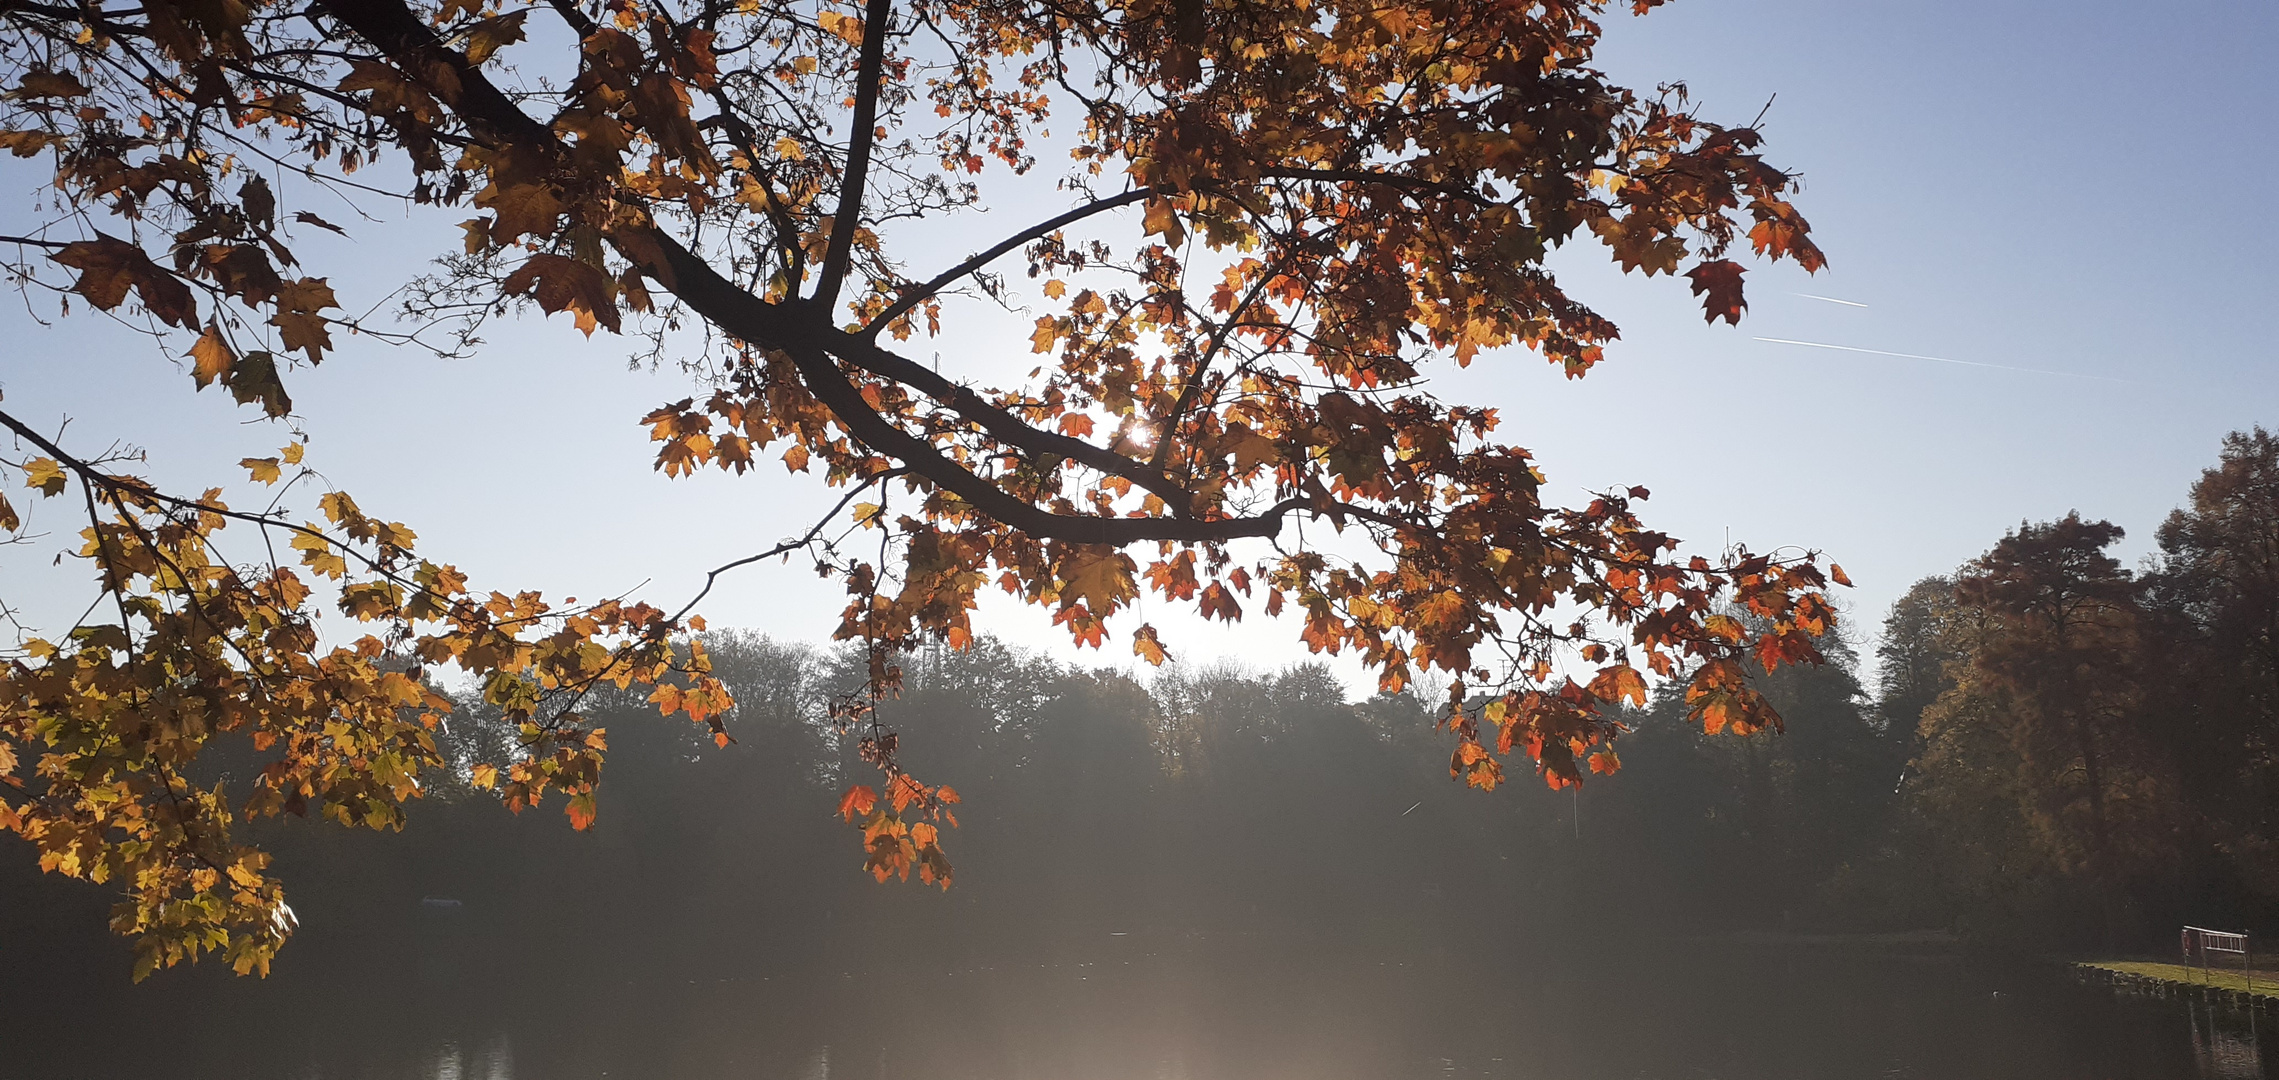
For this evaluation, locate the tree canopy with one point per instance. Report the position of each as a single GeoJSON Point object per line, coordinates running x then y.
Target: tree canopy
{"type": "Point", "coordinates": [1278, 215]}
{"type": "Point", "coordinates": [2092, 744]}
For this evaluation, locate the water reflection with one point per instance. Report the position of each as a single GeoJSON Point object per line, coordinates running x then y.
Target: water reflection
{"type": "Point", "coordinates": [494, 1061]}
{"type": "Point", "coordinates": [2226, 1044]}
{"type": "Point", "coordinates": [1196, 1008]}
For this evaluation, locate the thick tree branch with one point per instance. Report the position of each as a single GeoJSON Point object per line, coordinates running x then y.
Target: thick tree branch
{"type": "Point", "coordinates": [574, 16]}
{"type": "Point", "coordinates": [786, 233]}
{"type": "Point", "coordinates": [812, 346]}
{"type": "Point", "coordinates": [1000, 424]}
{"type": "Point", "coordinates": [487, 111]}
{"type": "Point", "coordinates": [862, 138]}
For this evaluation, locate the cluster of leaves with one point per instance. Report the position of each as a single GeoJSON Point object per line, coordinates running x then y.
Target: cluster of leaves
{"type": "Point", "coordinates": [895, 843]}
{"type": "Point", "coordinates": [112, 717]}
{"type": "Point", "coordinates": [1329, 195]}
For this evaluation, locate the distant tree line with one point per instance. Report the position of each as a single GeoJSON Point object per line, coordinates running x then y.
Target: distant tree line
{"type": "Point", "coordinates": [2059, 752]}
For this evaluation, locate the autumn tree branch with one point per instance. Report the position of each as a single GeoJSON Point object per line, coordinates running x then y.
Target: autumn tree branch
{"type": "Point", "coordinates": [810, 341]}
{"type": "Point", "coordinates": [862, 138]}
{"type": "Point", "coordinates": [787, 546]}
{"type": "Point", "coordinates": [811, 347]}
{"type": "Point", "coordinates": [1365, 176]}
{"type": "Point", "coordinates": [913, 296]}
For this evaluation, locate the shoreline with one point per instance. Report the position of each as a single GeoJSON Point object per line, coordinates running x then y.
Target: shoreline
{"type": "Point", "coordinates": [2250, 990]}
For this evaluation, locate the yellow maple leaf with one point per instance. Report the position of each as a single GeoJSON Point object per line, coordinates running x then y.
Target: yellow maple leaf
{"type": "Point", "coordinates": [211, 357]}
{"type": "Point", "coordinates": [45, 474]}
{"type": "Point", "coordinates": [1147, 646]}
{"type": "Point", "coordinates": [1099, 576]}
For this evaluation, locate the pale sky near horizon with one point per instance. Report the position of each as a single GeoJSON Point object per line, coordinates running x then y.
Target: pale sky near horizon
{"type": "Point", "coordinates": [2057, 197]}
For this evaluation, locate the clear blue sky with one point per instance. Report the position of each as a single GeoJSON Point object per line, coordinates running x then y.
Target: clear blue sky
{"type": "Point", "coordinates": [2063, 187]}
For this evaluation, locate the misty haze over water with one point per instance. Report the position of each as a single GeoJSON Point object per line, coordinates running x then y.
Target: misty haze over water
{"type": "Point", "coordinates": [1216, 875]}
{"type": "Point", "coordinates": [1136, 1008]}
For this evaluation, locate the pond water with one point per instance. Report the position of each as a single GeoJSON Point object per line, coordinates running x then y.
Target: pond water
{"type": "Point", "coordinates": [1123, 1005]}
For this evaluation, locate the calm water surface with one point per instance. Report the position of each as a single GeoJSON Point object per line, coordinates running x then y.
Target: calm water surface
{"type": "Point", "coordinates": [1133, 1005]}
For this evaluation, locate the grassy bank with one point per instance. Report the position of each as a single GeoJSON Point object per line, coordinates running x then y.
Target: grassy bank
{"type": "Point", "coordinates": [2265, 984]}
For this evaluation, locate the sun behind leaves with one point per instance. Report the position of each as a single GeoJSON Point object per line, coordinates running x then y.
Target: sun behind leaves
{"type": "Point", "coordinates": [1277, 216]}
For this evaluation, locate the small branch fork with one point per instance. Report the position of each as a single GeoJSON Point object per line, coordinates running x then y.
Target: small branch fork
{"type": "Point", "coordinates": [911, 298]}
{"type": "Point", "coordinates": [787, 547]}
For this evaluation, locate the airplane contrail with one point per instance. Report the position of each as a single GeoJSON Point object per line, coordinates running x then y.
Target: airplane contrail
{"type": "Point", "coordinates": [1830, 299]}
{"type": "Point", "coordinates": [1944, 360]}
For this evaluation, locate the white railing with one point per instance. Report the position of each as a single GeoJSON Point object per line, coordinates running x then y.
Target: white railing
{"type": "Point", "coordinates": [2207, 944]}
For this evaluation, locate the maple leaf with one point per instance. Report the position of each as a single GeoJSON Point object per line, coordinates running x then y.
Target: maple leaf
{"type": "Point", "coordinates": [26, 144]}
{"type": "Point", "coordinates": [1780, 232]}
{"type": "Point", "coordinates": [1218, 602]}
{"type": "Point", "coordinates": [581, 810]}
{"type": "Point", "coordinates": [858, 802]}
{"type": "Point", "coordinates": [1637, 245]}
{"type": "Point", "coordinates": [108, 267]}
{"type": "Point", "coordinates": [1619, 682]}
{"type": "Point", "coordinates": [40, 82]}
{"type": "Point", "coordinates": [487, 37]}
{"type": "Point", "coordinates": [1086, 628]}
{"type": "Point", "coordinates": [1162, 219]}
{"type": "Point", "coordinates": [1250, 449]}
{"type": "Point", "coordinates": [296, 319]}
{"type": "Point", "coordinates": [44, 475]}
{"type": "Point", "coordinates": [518, 210]}
{"type": "Point", "coordinates": [264, 470]}
{"type": "Point", "coordinates": [558, 282]}
{"type": "Point", "coordinates": [258, 201]}
{"type": "Point", "coordinates": [211, 358]}
{"type": "Point", "coordinates": [318, 554]}
{"type": "Point", "coordinates": [254, 379]}
{"type": "Point", "coordinates": [1148, 647]}
{"type": "Point", "coordinates": [1099, 577]}
{"type": "Point", "coordinates": [1718, 283]}
{"type": "Point", "coordinates": [846, 27]}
